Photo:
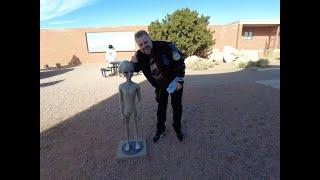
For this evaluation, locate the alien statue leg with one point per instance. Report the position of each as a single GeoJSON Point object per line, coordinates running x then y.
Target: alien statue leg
{"type": "Point", "coordinates": [134, 115]}
{"type": "Point", "coordinates": [127, 146]}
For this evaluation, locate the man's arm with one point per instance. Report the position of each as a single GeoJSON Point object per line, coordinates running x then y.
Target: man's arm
{"type": "Point", "coordinates": [121, 104]}
{"type": "Point", "coordinates": [135, 63]}
{"type": "Point", "coordinates": [139, 103]}
{"type": "Point", "coordinates": [178, 63]}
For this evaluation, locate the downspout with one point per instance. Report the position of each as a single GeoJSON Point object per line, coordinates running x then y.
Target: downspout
{"type": "Point", "coordinates": [238, 32]}
{"type": "Point", "coordinates": [277, 36]}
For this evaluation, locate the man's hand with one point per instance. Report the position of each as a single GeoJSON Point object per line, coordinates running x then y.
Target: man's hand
{"type": "Point", "coordinates": [179, 86]}
{"type": "Point", "coordinates": [134, 58]}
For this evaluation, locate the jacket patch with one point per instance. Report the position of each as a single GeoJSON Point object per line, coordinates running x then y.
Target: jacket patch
{"type": "Point", "coordinates": [175, 56]}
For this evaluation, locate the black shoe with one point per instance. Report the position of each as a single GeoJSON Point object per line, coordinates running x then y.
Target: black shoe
{"type": "Point", "coordinates": [158, 135]}
{"type": "Point", "coordinates": [180, 135]}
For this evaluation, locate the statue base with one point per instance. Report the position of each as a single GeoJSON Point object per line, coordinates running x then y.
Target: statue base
{"type": "Point", "coordinates": [132, 153]}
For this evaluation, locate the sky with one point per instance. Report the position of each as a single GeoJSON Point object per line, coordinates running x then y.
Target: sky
{"type": "Point", "coordinates": [101, 13]}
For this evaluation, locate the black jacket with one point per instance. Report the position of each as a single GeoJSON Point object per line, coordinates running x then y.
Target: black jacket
{"type": "Point", "coordinates": [169, 65]}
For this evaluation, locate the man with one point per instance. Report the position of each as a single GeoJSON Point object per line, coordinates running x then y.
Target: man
{"type": "Point", "coordinates": [110, 56]}
{"type": "Point", "coordinates": [162, 64]}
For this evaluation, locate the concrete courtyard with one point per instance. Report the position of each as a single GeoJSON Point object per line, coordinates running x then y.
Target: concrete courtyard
{"type": "Point", "coordinates": [231, 121]}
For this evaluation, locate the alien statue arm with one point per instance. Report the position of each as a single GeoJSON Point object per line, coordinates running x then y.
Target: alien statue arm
{"type": "Point", "coordinates": [139, 103]}
{"type": "Point", "coordinates": [122, 116]}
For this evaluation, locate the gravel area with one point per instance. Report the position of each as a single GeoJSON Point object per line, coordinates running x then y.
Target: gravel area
{"type": "Point", "coordinates": [231, 125]}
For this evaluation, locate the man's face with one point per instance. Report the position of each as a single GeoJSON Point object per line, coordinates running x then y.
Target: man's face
{"type": "Point", "coordinates": [145, 44]}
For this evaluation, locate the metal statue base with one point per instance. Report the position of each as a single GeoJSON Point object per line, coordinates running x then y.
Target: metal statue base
{"type": "Point", "coordinates": [132, 153]}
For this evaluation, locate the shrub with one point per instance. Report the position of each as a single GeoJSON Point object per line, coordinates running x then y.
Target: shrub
{"type": "Point", "coordinates": [262, 63]}
{"type": "Point", "coordinates": [200, 64]}
{"type": "Point", "coordinates": [187, 30]}
{"type": "Point", "coordinates": [243, 65]}
{"type": "Point", "coordinates": [75, 61]}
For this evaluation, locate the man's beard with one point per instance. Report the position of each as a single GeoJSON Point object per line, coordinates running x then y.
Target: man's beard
{"type": "Point", "coordinates": [147, 50]}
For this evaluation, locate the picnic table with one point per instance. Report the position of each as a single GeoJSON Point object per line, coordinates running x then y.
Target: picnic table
{"type": "Point", "coordinates": [113, 67]}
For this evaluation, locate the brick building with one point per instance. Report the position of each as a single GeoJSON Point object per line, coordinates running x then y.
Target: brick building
{"type": "Point", "coordinates": [61, 45]}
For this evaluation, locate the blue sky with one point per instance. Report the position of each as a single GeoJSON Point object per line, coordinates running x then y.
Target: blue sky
{"type": "Point", "coordinates": [101, 13]}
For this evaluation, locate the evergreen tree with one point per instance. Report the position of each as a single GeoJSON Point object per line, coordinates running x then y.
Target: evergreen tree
{"type": "Point", "coordinates": [187, 30]}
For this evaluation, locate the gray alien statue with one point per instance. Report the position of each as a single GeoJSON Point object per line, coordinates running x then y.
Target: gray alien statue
{"type": "Point", "coordinates": [129, 91]}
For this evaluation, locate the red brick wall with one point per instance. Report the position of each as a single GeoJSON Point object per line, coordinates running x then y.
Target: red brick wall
{"type": "Point", "coordinates": [227, 35]}
{"type": "Point", "coordinates": [224, 35]}
{"type": "Point", "coordinates": [59, 46]}
{"type": "Point", "coordinates": [260, 36]}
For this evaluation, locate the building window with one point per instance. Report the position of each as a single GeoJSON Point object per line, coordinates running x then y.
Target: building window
{"type": "Point", "coordinates": [248, 35]}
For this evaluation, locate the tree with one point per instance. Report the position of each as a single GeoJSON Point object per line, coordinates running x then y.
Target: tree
{"type": "Point", "coordinates": [187, 30]}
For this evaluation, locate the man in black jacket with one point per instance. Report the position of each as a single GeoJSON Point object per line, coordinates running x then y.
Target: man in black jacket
{"type": "Point", "coordinates": [163, 65]}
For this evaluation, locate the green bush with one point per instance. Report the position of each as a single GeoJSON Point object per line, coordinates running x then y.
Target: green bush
{"type": "Point", "coordinates": [262, 63]}
{"type": "Point", "coordinates": [75, 61]}
{"type": "Point", "coordinates": [187, 30]}
{"type": "Point", "coordinates": [243, 65]}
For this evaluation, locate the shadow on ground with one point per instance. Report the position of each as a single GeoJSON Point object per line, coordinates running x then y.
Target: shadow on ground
{"type": "Point", "coordinates": [231, 125]}
{"type": "Point", "coordinates": [54, 72]}
{"type": "Point", "coordinates": [273, 66]}
{"type": "Point", "coordinates": [50, 83]}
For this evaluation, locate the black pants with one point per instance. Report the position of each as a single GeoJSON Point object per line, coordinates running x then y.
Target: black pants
{"type": "Point", "coordinates": [176, 102]}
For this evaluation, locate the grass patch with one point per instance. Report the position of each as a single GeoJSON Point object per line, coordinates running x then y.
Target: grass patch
{"type": "Point", "coordinates": [200, 64]}
{"type": "Point", "coordinates": [260, 63]}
